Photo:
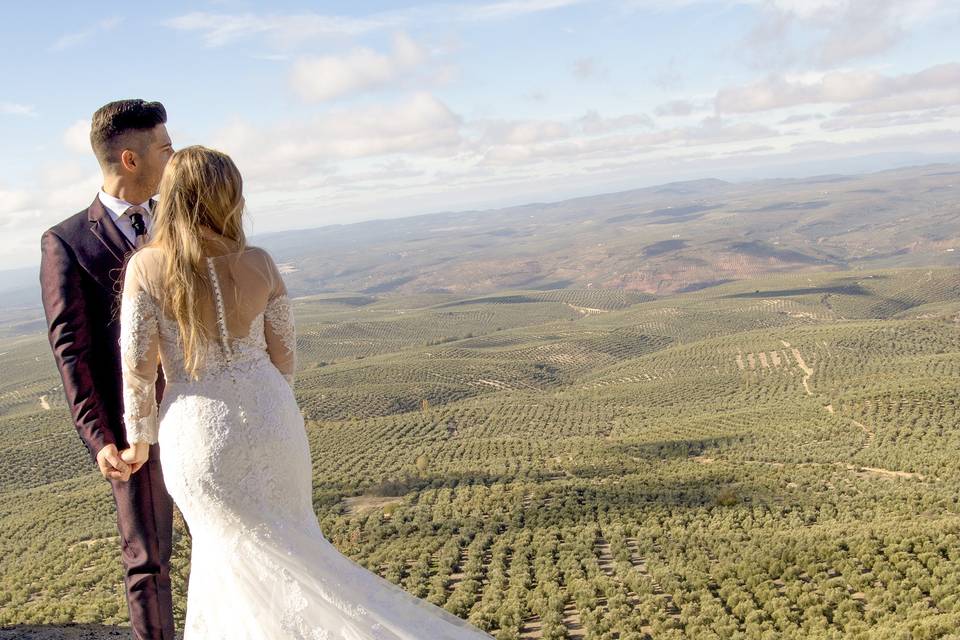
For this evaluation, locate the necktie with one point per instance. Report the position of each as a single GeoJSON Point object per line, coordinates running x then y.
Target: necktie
{"type": "Point", "coordinates": [136, 213]}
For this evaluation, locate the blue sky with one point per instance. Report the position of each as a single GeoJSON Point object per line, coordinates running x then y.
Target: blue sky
{"type": "Point", "coordinates": [338, 112]}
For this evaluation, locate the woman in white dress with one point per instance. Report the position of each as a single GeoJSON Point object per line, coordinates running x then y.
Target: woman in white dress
{"type": "Point", "coordinates": [234, 451]}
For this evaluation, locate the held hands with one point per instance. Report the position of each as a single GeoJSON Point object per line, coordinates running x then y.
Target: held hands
{"type": "Point", "coordinates": [136, 455]}
{"type": "Point", "coordinates": [117, 465]}
{"type": "Point", "coordinates": [112, 467]}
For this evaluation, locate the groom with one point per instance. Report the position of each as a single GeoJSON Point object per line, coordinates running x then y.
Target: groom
{"type": "Point", "coordinates": [81, 276]}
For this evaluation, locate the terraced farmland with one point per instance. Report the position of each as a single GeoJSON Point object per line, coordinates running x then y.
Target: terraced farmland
{"type": "Point", "coordinates": [764, 459]}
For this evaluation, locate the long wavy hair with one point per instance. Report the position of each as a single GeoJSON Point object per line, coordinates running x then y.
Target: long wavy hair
{"type": "Point", "coordinates": [200, 187]}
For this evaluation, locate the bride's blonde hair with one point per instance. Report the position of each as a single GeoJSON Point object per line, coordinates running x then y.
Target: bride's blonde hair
{"type": "Point", "coordinates": [199, 187]}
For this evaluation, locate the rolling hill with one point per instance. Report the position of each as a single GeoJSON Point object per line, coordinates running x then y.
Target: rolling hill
{"type": "Point", "coordinates": [657, 240]}
{"type": "Point", "coordinates": [665, 239]}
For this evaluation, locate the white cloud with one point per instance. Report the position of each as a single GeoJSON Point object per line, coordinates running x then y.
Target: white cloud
{"type": "Point", "coordinates": [798, 118]}
{"type": "Point", "coordinates": [67, 189]}
{"type": "Point", "coordinates": [525, 133]}
{"type": "Point", "coordinates": [710, 131]}
{"type": "Point", "coordinates": [328, 77]}
{"type": "Point", "coordinates": [828, 10]}
{"type": "Point", "coordinates": [511, 9]}
{"type": "Point", "coordinates": [670, 76]}
{"type": "Point", "coordinates": [218, 29]}
{"type": "Point", "coordinates": [70, 40]}
{"type": "Point", "coordinates": [880, 120]}
{"type": "Point", "coordinates": [675, 108]}
{"type": "Point", "coordinates": [827, 33]}
{"type": "Point", "coordinates": [418, 125]}
{"type": "Point", "coordinates": [11, 202]}
{"type": "Point", "coordinates": [345, 157]}
{"type": "Point", "coordinates": [55, 192]}
{"type": "Point", "coordinates": [522, 131]}
{"type": "Point", "coordinates": [946, 96]}
{"type": "Point", "coordinates": [286, 31]}
{"type": "Point", "coordinates": [851, 43]}
{"type": "Point", "coordinates": [592, 123]}
{"type": "Point", "coordinates": [17, 109]}
{"type": "Point", "coordinates": [841, 87]}
{"type": "Point", "coordinates": [77, 137]}
{"type": "Point", "coordinates": [587, 68]}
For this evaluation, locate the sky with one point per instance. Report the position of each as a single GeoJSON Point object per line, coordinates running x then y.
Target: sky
{"type": "Point", "coordinates": [337, 112]}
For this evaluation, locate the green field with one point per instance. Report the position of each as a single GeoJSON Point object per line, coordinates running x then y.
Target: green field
{"type": "Point", "coordinates": [771, 458]}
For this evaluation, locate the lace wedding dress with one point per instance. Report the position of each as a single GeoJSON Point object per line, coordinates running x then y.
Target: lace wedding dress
{"type": "Point", "coordinates": [236, 461]}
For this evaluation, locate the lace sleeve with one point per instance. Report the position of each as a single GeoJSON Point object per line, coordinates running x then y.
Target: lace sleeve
{"type": "Point", "coordinates": [279, 329]}
{"type": "Point", "coordinates": [139, 353]}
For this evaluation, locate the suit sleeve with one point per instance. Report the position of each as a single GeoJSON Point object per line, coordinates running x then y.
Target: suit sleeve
{"type": "Point", "coordinates": [279, 329]}
{"type": "Point", "coordinates": [68, 330]}
{"type": "Point", "coordinates": [139, 356]}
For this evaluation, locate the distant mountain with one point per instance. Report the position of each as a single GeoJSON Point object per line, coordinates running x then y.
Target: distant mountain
{"type": "Point", "coordinates": [19, 287]}
{"type": "Point", "coordinates": [667, 238]}
{"type": "Point", "coordinates": [675, 237]}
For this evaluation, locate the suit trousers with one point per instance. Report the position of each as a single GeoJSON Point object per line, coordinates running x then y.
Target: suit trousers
{"type": "Point", "coordinates": [145, 523]}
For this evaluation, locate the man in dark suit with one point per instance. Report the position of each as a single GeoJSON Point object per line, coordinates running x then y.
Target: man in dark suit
{"type": "Point", "coordinates": [81, 276]}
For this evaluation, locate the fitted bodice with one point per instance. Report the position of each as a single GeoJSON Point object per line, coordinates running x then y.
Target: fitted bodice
{"type": "Point", "coordinates": [245, 351]}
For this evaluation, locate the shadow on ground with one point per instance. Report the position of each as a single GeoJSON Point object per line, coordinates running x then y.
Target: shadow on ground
{"type": "Point", "coordinates": [66, 632]}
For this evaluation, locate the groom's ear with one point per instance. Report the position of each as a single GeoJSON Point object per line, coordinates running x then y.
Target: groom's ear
{"type": "Point", "coordinates": [128, 159]}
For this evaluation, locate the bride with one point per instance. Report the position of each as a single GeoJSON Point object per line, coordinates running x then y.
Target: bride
{"type": "Point", "coordinates": [234, 451]}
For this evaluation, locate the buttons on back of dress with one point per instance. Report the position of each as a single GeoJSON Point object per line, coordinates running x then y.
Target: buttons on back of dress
{"type": "Point", "coordinates": [221, 312]}
{"type": "Point", "coordinates": [224, 336]}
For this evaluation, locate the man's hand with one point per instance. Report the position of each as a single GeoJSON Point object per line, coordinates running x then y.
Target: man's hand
{"type": "Point", "coordinates": [136, 455]}
{"type": "Point", "coordinates": [111, 465]}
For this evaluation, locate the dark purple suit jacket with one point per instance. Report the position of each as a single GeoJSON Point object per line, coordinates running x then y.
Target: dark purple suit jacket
{"type": "Point", "coordinates": [81, 278]}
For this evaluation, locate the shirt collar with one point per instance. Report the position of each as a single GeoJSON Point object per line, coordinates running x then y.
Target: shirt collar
{"type": "Point", "coordinates": [118, 207]}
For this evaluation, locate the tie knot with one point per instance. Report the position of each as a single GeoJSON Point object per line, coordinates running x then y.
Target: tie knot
{"type": "Point", "coordinates": [136, 213]}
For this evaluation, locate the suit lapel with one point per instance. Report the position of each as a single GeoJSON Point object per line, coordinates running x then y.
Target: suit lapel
{"type": "Point", "coordinates": [109, 264]}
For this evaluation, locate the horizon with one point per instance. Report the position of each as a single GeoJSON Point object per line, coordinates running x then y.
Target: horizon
{"type": "Point", "coordinates": [396, 109]}
{"type": "Point", "coordinates": [35, 265]}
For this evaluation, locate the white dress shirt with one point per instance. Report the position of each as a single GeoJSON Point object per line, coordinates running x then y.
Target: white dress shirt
{"type": "Point", "coordinates": [118, 208]}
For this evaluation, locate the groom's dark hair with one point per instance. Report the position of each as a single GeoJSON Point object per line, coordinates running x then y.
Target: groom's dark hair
{"type": "Point", "coordinates": [113, 125]}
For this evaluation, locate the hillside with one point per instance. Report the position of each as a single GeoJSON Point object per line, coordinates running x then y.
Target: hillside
{"type": "Point", "coordinates": [657, 240]}
{"type": "Point", "coordinates": [772, 457]}
{"type": "Point", "coordinates": [665, 239]}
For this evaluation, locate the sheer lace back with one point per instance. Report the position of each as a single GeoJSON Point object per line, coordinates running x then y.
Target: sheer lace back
{"type": "Point", "coordinates": [247, 304]}
{"type": "Point", "coordinates": [242, 283]}
{"type": "Point", "coordinates": [248, 319]}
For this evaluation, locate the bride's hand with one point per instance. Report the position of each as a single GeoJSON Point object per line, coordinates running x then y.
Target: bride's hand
{"type": "Point", "coordinates": [136, 455]}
